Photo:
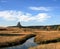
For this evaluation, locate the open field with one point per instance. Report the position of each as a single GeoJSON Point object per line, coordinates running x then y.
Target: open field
{"type": "Point", "coordinates": [47, 40]}
{"type": "Point", "coordinates": [6, 41]}
{"type": "Point", "coordinates": [47, 37]}
{"type": "Point", "coordinates": [13, 36]}
{"type": "Point", "coordinates": [10, 36]}
{"type": "Point", "coordinates": [47, 46]}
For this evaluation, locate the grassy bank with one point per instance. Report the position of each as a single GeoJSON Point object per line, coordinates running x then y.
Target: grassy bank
{"type": "Point", "coordinates": [47, 46]}
{"type": "Point", "coordinates": [13, 36]}
{"type": "Point", "coordinates": [47, 40]}
{"type": "Point", "coordinates": [47, 37]}
{"type": "Point", "coordinates": [7, 41]}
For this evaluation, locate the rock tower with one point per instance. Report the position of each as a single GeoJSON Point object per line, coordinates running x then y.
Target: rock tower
{"type": "Point", "coordinates": [19, 25]}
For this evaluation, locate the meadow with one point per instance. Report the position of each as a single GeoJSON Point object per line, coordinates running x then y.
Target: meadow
{"type": "Point", "coordinates": [44, 35]}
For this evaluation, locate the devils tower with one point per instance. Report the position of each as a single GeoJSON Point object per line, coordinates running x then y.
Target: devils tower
{"type": "Point", "coordinates": [18, 24]}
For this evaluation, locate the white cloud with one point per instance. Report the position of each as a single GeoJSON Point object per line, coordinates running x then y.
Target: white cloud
{"type": "Point", "coordinates": [40, 8]}
{"type": "Point", "coordinates": [42, 17]}
{"type": "Point", "coordinates": [25, 17]}
{"type": "Point", "coordinates": [7, 15]}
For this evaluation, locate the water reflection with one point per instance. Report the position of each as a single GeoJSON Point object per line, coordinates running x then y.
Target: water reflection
{"type": "Point", "coordinates": [26, 45]}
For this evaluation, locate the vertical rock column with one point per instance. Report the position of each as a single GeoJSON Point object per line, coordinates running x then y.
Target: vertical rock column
{"type": "Point", "coordinates": [19, 25]}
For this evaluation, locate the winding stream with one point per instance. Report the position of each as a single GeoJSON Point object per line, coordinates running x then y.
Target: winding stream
{"type": "Point", "coordinates": [30, 42]}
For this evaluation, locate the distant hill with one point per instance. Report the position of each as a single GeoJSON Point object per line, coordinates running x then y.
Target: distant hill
{"type": "Point", "coordinates": [47, 27]}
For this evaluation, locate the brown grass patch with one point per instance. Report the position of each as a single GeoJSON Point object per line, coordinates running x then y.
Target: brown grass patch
{"type": "Point", "coordinates": [45, 36]}
{"type": "Point", "coordinates": [47, 46]}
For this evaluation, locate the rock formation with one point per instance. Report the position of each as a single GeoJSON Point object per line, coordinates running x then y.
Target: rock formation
{"type": "Point", "coordinates": [19, 25]}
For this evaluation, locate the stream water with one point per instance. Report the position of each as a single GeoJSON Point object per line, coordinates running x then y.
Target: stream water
{"type": "Point", "coordinates": [29, 43]}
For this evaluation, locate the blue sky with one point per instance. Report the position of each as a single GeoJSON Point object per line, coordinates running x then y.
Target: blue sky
{"type": "Point", "coordinates": [29, 12]}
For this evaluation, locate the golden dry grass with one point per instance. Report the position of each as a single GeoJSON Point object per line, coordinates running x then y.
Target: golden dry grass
{"type": "Point", "coordinates": [46, 36]}
{"type": "Point", "coordinates": [13, 36]}
{"type": "Point", "coordinates": [41, 35]}
{"type": "Point", "coordinates": [47, 46]}
{"type": "Point", "coordinates": [6, 41]}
